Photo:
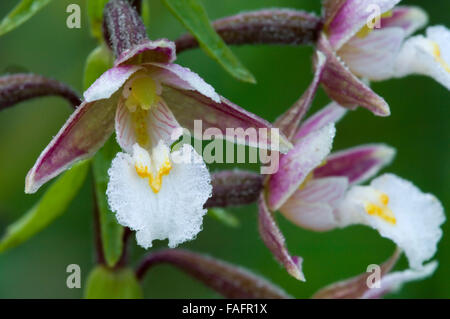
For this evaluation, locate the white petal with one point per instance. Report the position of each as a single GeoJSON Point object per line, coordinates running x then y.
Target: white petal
{"type": "Point", "coordinates": [427, 56]}
{"type": "Point", "coordinates": [175, 212]}
{"type": "Point", "coordinates": [373, 57]}
{"type": "Point", "coordinates": [394, 281]}
{"type": "Point", "coordinates": [183, 78]}
{"type": "Point", "coordinates": [399, 211]}
{"type": "Point", "coordinates": [109, 82]}
{"type": "Point", "coordinates": [312, 207]}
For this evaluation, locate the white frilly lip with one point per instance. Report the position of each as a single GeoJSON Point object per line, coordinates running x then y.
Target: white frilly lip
{"type": "Point", "coordinates": [428, 56]}
{"type": "Point", "coordinates": [418, 216]}
{"type": "Point", "coordinates": [175, 212]}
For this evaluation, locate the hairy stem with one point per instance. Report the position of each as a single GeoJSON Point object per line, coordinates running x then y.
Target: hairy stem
{"type": "Point", "coordinates": [234, 188]}
{"type": "Point", "coordinates": [271, 26]}
{"type": "Point", "coordinates": [19, 87]}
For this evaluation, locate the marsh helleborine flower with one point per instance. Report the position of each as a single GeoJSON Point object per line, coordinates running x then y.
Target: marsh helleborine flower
{"type": "Point", "coordinates": [318, 191]}
{"type": "Point", "coordinates": [148, 100]}
{"type": "Point", "coordinates": [357, 51]}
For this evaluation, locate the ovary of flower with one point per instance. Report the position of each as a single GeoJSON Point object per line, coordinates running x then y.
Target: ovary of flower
{"type": "Point", "coordinates": [381, 209]}
{"type": "Point", "coordinates": [438, 57]}
{"type": "Point", "coordinates": [152, 168]}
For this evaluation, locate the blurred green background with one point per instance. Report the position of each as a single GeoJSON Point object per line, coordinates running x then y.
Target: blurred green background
{"type": "Point", "coordinates": [417, 128]}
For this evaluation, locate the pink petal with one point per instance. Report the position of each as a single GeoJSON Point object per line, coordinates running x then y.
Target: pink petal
{"type": "Point", "coordinates": [332, 113]}
{"type": "Point", "coordinates": [289, 121]}
{"type": "Point", "coordinates": [358, 164]}
{"type": "Point", "coordinates": [350, 16]}
{"type": "Point", "coordinates": [109, 82]}
{"type": "Point", "coordinates": [295, 166]}
{"type": "Point", "coordinates": [82, 135]}
{"type": "Point", "coordinates": [344, 87]}
{"type": "Point", "coordinates": [312, 207]}
{"type": "Point", "coordinates": [232, 120]}
{"type": "Point", "coordinates": [355, 287]}
{"type": "Point", "coordinates": [182, 78]}
{"type": "Point", "coordinates": [161, 125]}
{"type": "Point", "coordinates": [159, 51]}
{"type": "Point", "coordinates": [409, 18]}
{"type": "Point", "coordinates": [274, 240]}
{"type": "Point", "coordinates": [373, 57]}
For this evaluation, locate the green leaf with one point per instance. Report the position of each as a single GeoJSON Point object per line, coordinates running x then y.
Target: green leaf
{"type": "Point", "coordinates": [98, 61]}
{"type": "Point", "coordinates": [111, 231]}
{"type": "Point", "coordinates": [193, 16]}
{"type": "Point", "coordinates": [52, 205]}
{"type": "Point", "coordinates": [145, 12]}
{"type": "Point", "coordinates": [104, 283]}
{"type": "Point", "coordinates": [21, 13]}
{"type": "Point", "coordinates": [95, 13]}
{"type": "Point", "coordinates": [223, 216]}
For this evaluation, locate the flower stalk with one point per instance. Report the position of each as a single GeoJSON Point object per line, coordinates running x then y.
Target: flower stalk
{"type": "Point", "coordinates": [20, 87]}
{"type": "Point", "coordinates": [228, 280]}
{"type": "Point", "coordinates": [234, 188]}
{"type": "Point", "coordinates": [268, 26]}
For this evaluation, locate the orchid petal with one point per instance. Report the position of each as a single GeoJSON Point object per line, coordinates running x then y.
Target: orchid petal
{"type": "Point", "coordinates": [344, 87]}
{"type": "Point", "coordinates": [175, 212]}
{"type": "Point", "coordinates": [358, 164]}
{"type": "Point", "coordinates": [356, 287]}
{"type": "Point", "coordinates": [312, 207]}
{"type": "Point", "coordinates": [351, 16]}
{"type": "Point", "coordinates": [160, 124]}
{"type": "Point", "coordinates": [159, 51]}
{"type": "Point", "coordinates": [332, 113]}
{"type": "Point", "coordinates": [373, 57]}
{"type": "Point", "coordinates": [290, 120]}
{"type": "Point", "coordinates": [409, 18]}
{"type": "Point", "coordinates": [295, 166]}
{"type": "Point", "coordinates": [233, 121]}
{"type": "Point", "coordinates": [82, 135]}
{"type": "Point", "coordinates": [394, 281]}
{"type": "Point", "coordinates": [274, 240]}
{"type": "Point", "coordinates": [109, 82]}
{"type": "Point", "coordinates": [399, 211]}
{"type": "Point", "coordinates": [182, 78]}
{"type": "Point", "coordinates": [428, 55]}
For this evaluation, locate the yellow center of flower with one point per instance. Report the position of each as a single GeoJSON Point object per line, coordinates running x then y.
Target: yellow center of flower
{"type": "Point", "coordinates": [381, 210]}
{"type": "Point", "coordinates": [141, 95]}
{"type": "Point", "coordinates": [153, 165]}
{"type": "Point", "coordinates": [438, 57]}
{"type": "Point", "coordinates": [154, 180]}
{"type": "Point", "coordinates": [366, 29]}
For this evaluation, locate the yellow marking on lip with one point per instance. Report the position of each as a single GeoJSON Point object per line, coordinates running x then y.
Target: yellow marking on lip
{"type": "Point", "coordinates": [381, 211]}
{"type": "Point", "coordinates": [139, 119]}
{"type": "Point", "coordinates": [438, 57]}
{"type": "Point", "coordinates": [366, 30]}
{"type": "Point", "coordinates": [155, 182]}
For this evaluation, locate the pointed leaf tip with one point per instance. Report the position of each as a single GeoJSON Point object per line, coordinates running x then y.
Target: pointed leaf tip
{"type": "Point", "coordinates": [193, 16]}
{"type": "Point", "coordinates": [20, 14]}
